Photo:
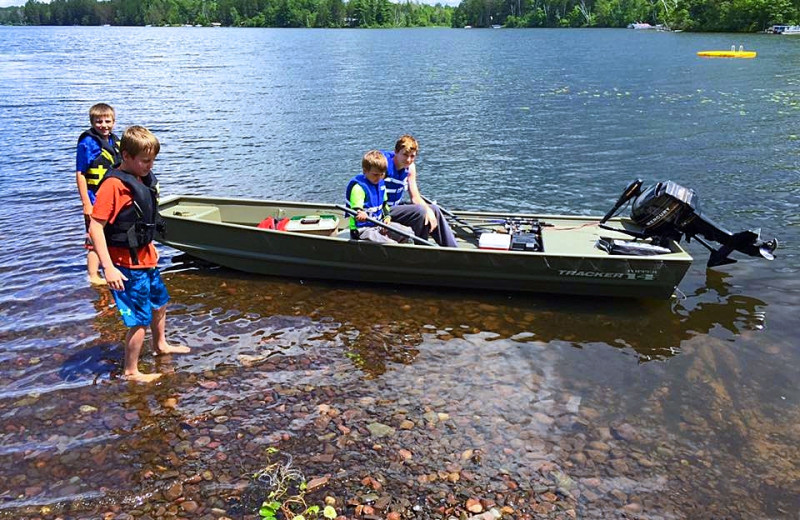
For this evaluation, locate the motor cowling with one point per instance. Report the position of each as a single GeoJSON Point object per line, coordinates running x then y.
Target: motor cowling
{"type": "Point", "coordinates": [664, 208]}
{"type": "Point", "coordinates": [669, 211]}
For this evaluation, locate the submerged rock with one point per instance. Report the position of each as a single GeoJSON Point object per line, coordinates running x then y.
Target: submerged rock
{"type": "Point", "coordinates": [379, 430]}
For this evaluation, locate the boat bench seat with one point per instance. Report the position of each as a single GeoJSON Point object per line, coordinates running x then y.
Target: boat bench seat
{"type": "Point", "coordinates": [196, 212]}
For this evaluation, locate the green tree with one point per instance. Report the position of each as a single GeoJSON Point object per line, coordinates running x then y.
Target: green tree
{"type": "Point", "coordinates": [36, 13]}
{"type": "Point", "coordinates": [383, 13]}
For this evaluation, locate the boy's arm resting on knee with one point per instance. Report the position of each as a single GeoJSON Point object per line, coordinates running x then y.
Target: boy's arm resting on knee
{"type": "Point", "coordinates": [430, 218]}
{"type": "Point", "coordinates": [413, 189]}
{"type": "Point", "coordinates": [416, 197]}
{"type": "Point", "coordinates": [113, 276]}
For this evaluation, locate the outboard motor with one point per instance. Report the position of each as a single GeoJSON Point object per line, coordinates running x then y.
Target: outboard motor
{"type": "Point", "coordinates": [668, 211]}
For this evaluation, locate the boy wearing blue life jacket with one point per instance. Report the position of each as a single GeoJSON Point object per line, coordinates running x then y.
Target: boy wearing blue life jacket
{"type": "Point", "coordinates": [427, 220]}
{"type": "Point", "coordinates": [366, 194]}
{"type": "Point", "coordinates": [97, 153]}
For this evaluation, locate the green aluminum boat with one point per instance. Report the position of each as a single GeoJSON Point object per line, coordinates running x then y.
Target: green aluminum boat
{"type": "Point", "coordinates": [558, 254]}
{"type": "Point", "coordinates": [635, 257]}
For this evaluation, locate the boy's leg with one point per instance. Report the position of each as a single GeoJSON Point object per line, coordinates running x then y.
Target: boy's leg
{"type": "Point", "coordinates": [443, 235]}
{"type": "Point", "coordinates": [397, 237]}
{"type": "Point", "coordinates": [92, 259]}
{"type": "Point", "coordinates": [159, 329]}
{"type": "Point", "coordinates": [158, 324]}
{"type": "Point", "coordinates": [134, 308]}
{"type": "Point", "coordinates": [374, 234]}
{"type": "Point", "coordinates": [413, 216]}
{"type": "Point", "coordinates": [133, 348]}
{"type": "Point", "coordinates": [93, 267]}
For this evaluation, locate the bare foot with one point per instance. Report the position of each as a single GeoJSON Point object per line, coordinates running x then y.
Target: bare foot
{"type": "Point", "coordinates": [97, 280]}
{"type": "Point", "coordinates": [141, 378]}
{"type": "Point", "coordinates": [163, 350]}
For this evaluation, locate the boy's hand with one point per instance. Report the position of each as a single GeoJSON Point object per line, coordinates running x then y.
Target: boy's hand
{"type": "Point", "coordinates": [361, 216]}
{"type": "Point", "coordinates": [430, 218]}
{"type": "Point", "coordinates": [87, 208]}
{"type": "Point", "coordinates": [115, 278]}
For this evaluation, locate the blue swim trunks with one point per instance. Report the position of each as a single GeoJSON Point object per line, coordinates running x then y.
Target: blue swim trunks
{"type": "Point", "coordinates": [144, 291]}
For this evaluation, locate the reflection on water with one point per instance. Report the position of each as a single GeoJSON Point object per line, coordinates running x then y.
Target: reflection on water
{"type": "Point", "coordinates": [547, 407]}
{"type": "Point", "coordinates": [477, 391]}
{"type": "Point", "coordinates": [651, 329]}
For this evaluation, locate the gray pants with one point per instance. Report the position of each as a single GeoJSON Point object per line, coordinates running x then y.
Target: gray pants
{"type": "Point", "coordinates": [413, 216]}
{"type": "Point", "coordinates": [383, 235]}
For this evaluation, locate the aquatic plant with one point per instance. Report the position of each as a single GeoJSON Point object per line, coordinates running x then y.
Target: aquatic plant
{"type": "Point", "coordinates": [288, 488]}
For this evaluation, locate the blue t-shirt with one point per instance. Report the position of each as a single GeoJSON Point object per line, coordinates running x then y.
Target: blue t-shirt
{"type": "Point", "coordinates": [88, 150]}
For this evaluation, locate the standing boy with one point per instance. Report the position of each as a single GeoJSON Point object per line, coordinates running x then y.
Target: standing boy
{"type": "Point", "coordinates": [366, 194]}
{"type": "Point", "coordinates": [123, 225]}
{"type": "Point", "coordinates": [425, 219]}
{"type": "Point", "coordinates": [97, 153]}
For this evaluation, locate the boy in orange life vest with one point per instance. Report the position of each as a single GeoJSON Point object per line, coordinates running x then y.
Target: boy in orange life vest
{"type": "Point", "coordinates": [127, 198]}
{"type": "Point", "coordinates": [97, 153]}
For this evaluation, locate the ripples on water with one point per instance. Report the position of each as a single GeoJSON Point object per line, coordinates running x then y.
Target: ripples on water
{"type": "Point", "coordinates": [653, 405]}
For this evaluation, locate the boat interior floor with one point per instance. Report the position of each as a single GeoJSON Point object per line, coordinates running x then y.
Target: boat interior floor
{"type": "Point", "coordinates": [557, 235]}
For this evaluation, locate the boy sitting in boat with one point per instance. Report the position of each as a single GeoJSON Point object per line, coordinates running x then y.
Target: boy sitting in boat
{"type": "Point", "coordinates": [425, 219]}
{"type": "Point", "coordinates": [366, 194]}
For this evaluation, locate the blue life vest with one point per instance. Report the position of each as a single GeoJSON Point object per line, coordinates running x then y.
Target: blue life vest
{"type": "Point", "coordinates": [396, 180]}
{"type": "Point", "coordinates": [373, 203]}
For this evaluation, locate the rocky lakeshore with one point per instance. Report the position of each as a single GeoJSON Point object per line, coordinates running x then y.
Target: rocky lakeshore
{"type": "Point", "coordinates": [387, 418]}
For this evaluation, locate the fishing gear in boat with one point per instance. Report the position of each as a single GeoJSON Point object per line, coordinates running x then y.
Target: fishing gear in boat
{"type": "Point", "coordinates": [377, 222]}
{"type": "Point", "coordinates": [511, 224]}
{"type": "Point", "coordinates": [668, 211]}
{"type": "Point", "coordinates": [519, 234]}
{"type": "Point", "coordinates": [458, 220]}
{"type": "Point", "coordinates": [499, 219]}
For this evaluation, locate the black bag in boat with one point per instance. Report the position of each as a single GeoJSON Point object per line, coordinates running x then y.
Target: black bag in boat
{"type": "Point", "coordinates": [630, 247]}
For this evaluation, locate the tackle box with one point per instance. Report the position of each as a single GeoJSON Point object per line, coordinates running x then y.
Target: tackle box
{"type": "Point", "coordinates": [324, 225]}
{"type": "Point", "coordinates": [496, 241]}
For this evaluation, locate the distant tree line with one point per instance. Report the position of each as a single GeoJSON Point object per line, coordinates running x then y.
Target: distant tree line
{"type": "Point", "coordinates": [691, 15]}
{"type": "Point", "coordinates": [239, 13]}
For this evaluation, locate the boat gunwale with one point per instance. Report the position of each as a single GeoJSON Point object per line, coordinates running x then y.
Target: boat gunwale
{"type": "Point", "coordinates": [679, 256]}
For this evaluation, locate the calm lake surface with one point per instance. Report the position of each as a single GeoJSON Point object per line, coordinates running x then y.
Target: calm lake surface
{"type": "Point", "coordinates": [406, 400]}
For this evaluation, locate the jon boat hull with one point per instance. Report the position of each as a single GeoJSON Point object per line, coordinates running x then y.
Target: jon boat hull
{"type": "Point", "coordinates": [224, 232]}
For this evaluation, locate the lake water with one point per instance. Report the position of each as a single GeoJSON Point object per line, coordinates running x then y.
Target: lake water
{"type": "Point", "coordinates": [544, 406]}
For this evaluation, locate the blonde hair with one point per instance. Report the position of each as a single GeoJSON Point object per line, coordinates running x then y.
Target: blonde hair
{"type": "Point", "coordinates": [374, 160]}
{"type": "Point", "coordinates": [407, 143]}
{"type": "Point", "coordinates": [138, 139]}
{"type": "Point", "coordinates": [100, 110]}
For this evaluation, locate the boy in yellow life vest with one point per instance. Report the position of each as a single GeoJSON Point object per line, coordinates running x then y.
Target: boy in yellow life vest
{"type": "Point", "coordinates": [97, 153]}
